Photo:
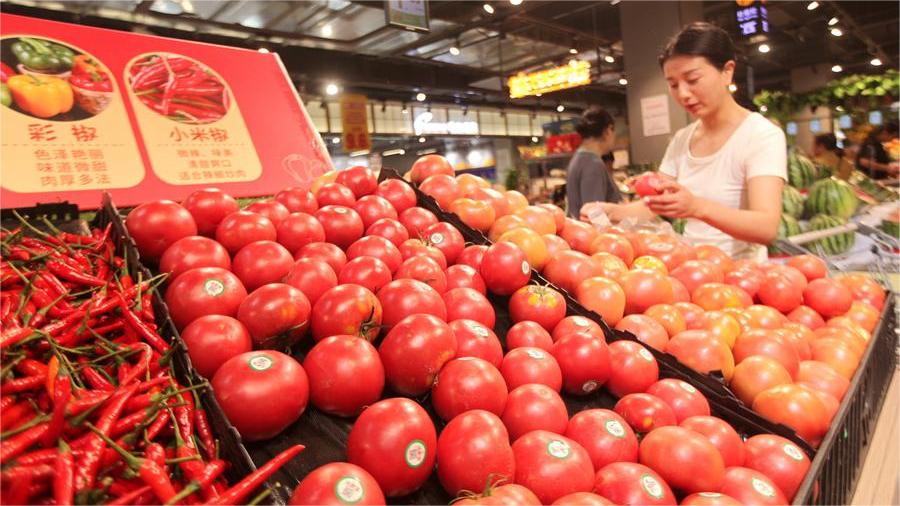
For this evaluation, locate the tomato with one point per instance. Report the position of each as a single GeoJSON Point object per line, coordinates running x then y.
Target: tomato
{"type": "Point", "coordinates": [325, 251]}
{"type": "Point", "coordinates": [321, 180]}
{"type": "Point", "coordinates": [555, 245]}
{"type": "Point", "coordinates": [468, 304]}
{"type": "Point", "coordinates": [260, 263]}
{"type": "Point", "coordinates": [686, 460]}
{"type": "Point", "coordinates": [472, 451]}
{"type": "Point", "coordinates": [475, 340]}
{"type": "Point", "coordinates": [335, 194]}
{"type": "Point", "coordinates": [718, 296]}
{"type": "Point", "coordinates": [391, 230]}
{"type": "Point", "coordinates": [416, 220]}
{"type": "Point", "coordinates": [212, 340]}
{"type": "Point", "coordinates": [240, 228]}
{"type": "Point", "coordinates": [416, 247]}
{"type": "Point", "coordinates": [261, 392]}
{"type": "Point", "coordinates": [372, 208]}
{"type": "Point", "coordinates": [694, 315]}
{"type": "Point", "coordinates": [756, 374]}
{"type": "Point", "coordinates": [299, 229]}
{"type": "Point", "coordinates": [864, 314]}
{"type": "Point", "coordinates": [534, 407]}
{"type": "Point", "coordinates": [496, 199]}
{"type": "Point", "coordinates": [822, 377]}
{"type": "Point", "coordinates": [472, 256]}
{"type": "Point", "coordinates": [709, 499]}
{"type": "Point", "coordinates": [528, 333]}
{"type": "Point", "coordinates": [398, 193]}
{"type": "Point", "coordinates": [799, 336]}
{"type": "Point", "coordinates": [358, 179]}
{"type": "Point", "coordinates": [768, 344]}
{"type": "Point", "coordinates": [633, 368]}
{"type": "Point", "coordinates": [367, 272]}
{"type": "Point", "coordinates": [779, 459]}
{"type": "Point", "coordinates": [395, 441]}
{"type": "Point", "coordinates": [669, 317]}
{"type": "Point", "coordinates": [807, 316]}
{"type": "Point", "coordinates": [414, 351]}
{"type": "Point", "coordinates": [346, 309]}
{"type": "Point", "coordinates": [474, 213]}
{"type": "Point", "coordinates": [342, 225]}
{"type": "Point", "coordinates": [583, 499]}
{"type": "Point", "coordinates": [576, 324]}
{"type": "Point", "coordinates": [538, 219]}
{"type": "Point", "coordinates": [447, 239]}
{"type": "Point", "coordinates": [795, 407]}
{"type": "Point", "coordinates": [204, 291]}
{"type": "Point", "coordinates": [468, 183]}
{"type": "Point", "coordinates": [605, 435]}
{"type": "Point", "coordinates": [540, 304]}
{"type": "Point", "coordinates": [780, 292]}
{"type": "Point", "coordinates": [515, 200]}
{"type": "Point", "coordinates": [723, 326]}
{"type": "Point", "coordinates": [276, 315]}
{"type": "Point", "coordinates": [685, 400]}
{"type": "Point", "coordinates": [648, 184]}
{"type": "Point", "coordinates": [559, 216]}
{"type": "Point", "coordinates": [403, 297]}
{"type": "Point", "coordinates": [579, 235]}
{"type": "Point", "coordinates": [614, 244]}
{"type": "Point", "coordinates": [311, 276]}
{"type": "Point", "coordinates": [504, 268]}
{"type": "Point", "coordinates": [442, 187]}
{"type": "Point", "coordinates": [464, 276]}
{"type": "Point", "coordinates": [208, 206]}
{"type": "Point", "coordinates": [584, 361]}
{"type": "Point", "coordinates": [569, 268]}
{"type": "Point", "coordinates": [525, 365]}
{"type": "Point", "coordinates": [504, 495]}
{"type": "Point", "coordinates": [702, 352]}
{"type": "Point", "coordinates": [270, 209]}
{"type": "Point", "coordinates": [751, 487]}
{"type": "Point", "coordinates": [297, 200]}
{"type": "Point", "coordinates": [645, 412]}
{"type": "Point", "coordinates": [468, 383]}
{"type": "Point", "coordinates": [645, 329]}
{"type": "Point", "coordinates": [715, 255]}
{"type": "Point", "coordinates": [828, 297]}
{"type": "Point", "coordinates": [749, 280]}
{"type": "Point", "coordinates": [644, 289]}
{"type": "Point", "coordinates": [530, 243]}
{"type": "Point", "coordinates": [629, 483]}
{"type": "Point", "coordinates": [865, 289]}
{"type": "Point", "coordinates": [504, 224]}
{"type": "Point", "coordinates": [602, 296]}
{"type": "Point", "coordinates": [764, 317]}
{"type": "Point", "coordinates": [191, 252]}
{"type": "Point", "coordinates": [811, 266]}
{"type": "Point", "coordinates": [836, 353]}
{"type": "Point", "coordinates": [337, 483]}
{"type": "Point", "coordinates": [345, 375]}
{"type": "Point", "coordinates": [722, 436]}
{"type": "Point", "coordinates": [377, 247]}
{"type": "Point", "coordinates": [551, 465]}
{"type": "Point", "coordinates": [694, 273]}
{"type": "Point", "coordinates": [155, 226]}
{"type": "Point", "coordinates": [429, 165]}
{"type": "Point", "coordinates": [423, 269]}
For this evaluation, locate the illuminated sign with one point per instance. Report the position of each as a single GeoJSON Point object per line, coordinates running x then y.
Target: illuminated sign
{"type": "Point", "coordinates": [576, 73]}
{"type": "Point", "coordinates": [423, 125]}
{"type": "Point", "coordinates": [753, 19]}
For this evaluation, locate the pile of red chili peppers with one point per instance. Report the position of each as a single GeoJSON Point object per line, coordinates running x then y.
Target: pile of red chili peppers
{"type": "Point", "coordinates": [179, 88]}
{"type": "Point", "coordinates": [90, 410]}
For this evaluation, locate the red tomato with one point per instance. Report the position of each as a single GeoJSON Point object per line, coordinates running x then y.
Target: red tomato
{"type": "Point", "coordinates": [569, 268]}
{"type": "Point", "coordinates": [645, 412]}
{"type": "Point", "coordinates": [525, 365]}
{"type": "Point", "coordinates": [345, 375]}
{"type": "Point", "coordinates": [372, 208]}
{"type": "Point", "coordinates": [260, 263]}
{"type": "Point", "coordinates": [276, 315]}
{"type": "Point", "coordinates": [614, 244]}
{"type": "Point", "coordinates": [702, 352]}
{"type": "Point", "coordinates": [504, 495]}
{"type": "Point", "coordinates": [297, 230]}
{"type": "Point", "coordinates": [645, 288]}
{"type": "Point", "coordinates": [694, 273]}
{"type": "Point", "coordinates": [532, 244]}
{"type": "Point", "coordinates": [807, 316]}
{"type": "Point", "coordinates": [540, 304]}
{"type": "Point", "coordinates": [669, 317]}
{"type": "Point", "coordinates": [398, 193]}
{"type": "Point", "coordinates": [414, 351]}
{"type": "Point", "coordinates": [822, 377]}
{"type": "Point", "coordinates": [756, 374]}
{"type": "Point", "coordinates": [392, 230]}
{"type": "Point", "coordinates": [446, 238]}
{"type": "Point", "coordinates": [715, 255]}
{"type": "Point", "coordinates": [764, 317]}
{"type": "Point", "coordinates": [693, 315]}
{"type": "Point", "coordinates": [261, 392]}
{"type": "Point", "coordinates": [795, 407]}
{"type": "Point", "coordinates": [766, 343]}
{"type": "Point", "coordinates": [403, 297]}
{"type": "Point", "coordinates": [799, 336]}
{"type": "Point", "coordinates": [204, 291]}
{"type": "Point", "coordinates": [633, 368]}
{"type": "Point", "coordinates": [811, 266]}
{"type": "Point", "coordinates": [551, 465]}
{"type": "Point", "coordinates": [424, 269]}
{"type": "Point", "coordinates": [337, 483]}
{"type": "Point", "coordinates": [685, 400]}
{"type": "Point", "coordinates": [155, 226]}
{"type": "Point", "coordinates": [442, 187]}
{"type": "Point", "coordinates": [646, 330]}
{"type": "Point", "coordinates": [780, 460]}
{"type": "Point", "coordinates": [555, 245]}
{"type": "Point", "coordinates": [475, 340]}
{"type": "Point", "coordinates": [466, 303]}
{"type": "Point", "coordinates": [576, 324]}
{"type": "Point", "coordinates": [473, 451]}
{"type": "Point", "coordinates": [270, 209]}
{"type": "Point", "coordinates": [684, 458]}
{"type": "Point", "coordinates": [559, 216]}
{"type": "Point", "coordinates": [751, 487]}
{"type": "Point", "coordinates": [579, 235]}
{"type": "Point", "coordinates": [359, 179]}
{"type": "Point", "coordinates": [679, 292]}
{"type": "Point", "coordinates": [377, 247]}
{"type": "Point", "coordinates": [718, 296]}
{"type": "Point", "coordinates": [584, 361]}
{"type": "Point", "coordinates": [865, 289]}
{"type": "Point", "coordinates": [504, 268]}
{"type": "Point", "coordinates": [297, 200]}
{"type": "Point", "coordinates": [780, 292]}
{"type": "Point", "coordinates": [836, 353]}
{"type": "Point", "coordinates": [429, 165]}
{"type": "Point", "coordinates": [464, 276]}
{"type": "Point", "coordinates": [212, 340]}
{"type": "Point", "coordinates": [864, 314]}
{"type": "Point", "coordinates": [346, 309]}
{"type": "Point", "coordinates": [528, 333]}
{"type": "Point", "coordinates": [395, 441]}
{"type": "Point", "coordinates": [468, 383]}
{"type": "Point", "coordinates": [240, 228]}
{"type": "Point", "coordinates": [583, 499]}
{"type": "Point", "coordinates": [749, 280]}
{"type": "Point", "coordinates": [629, 483]}
{"type": "Point", "coordinates": [417, 248]}
{"type": "Point", "coordinates": [208, 206]}
{"type": "Point", "coordinates": [710, 499]}
{"type": "Point", "coordinates": [416, 220]}
{"type": "Point", "coordinates": [367, 272]}
{"type": "Point", "coordinates": [311, 276]}
{"type": "Point", "coordinates": [534, 407]}
{"type": "Point", "coordinates": [191, 252]}
{"type": "Point", "coordinates": [602, 296]}
{"type": "Point", "coordinates": [721, 435]}
{"type": "Point", "coordinates": [335, 194]}
{"type": "Point", "coordinates": [342, 225]}
{"type": "Point", "coordinates": [648, 183]}
{"type": "Point", "coordinates": [828, 297]}
{"type": "Point", "coordinates": [324, 251]}
{"type": "Point", "coordinates": [605, 435]}
{"type": "Point", "coordinates": [472, 256]}
{"type": "Point", "coordinates": [538, 219]}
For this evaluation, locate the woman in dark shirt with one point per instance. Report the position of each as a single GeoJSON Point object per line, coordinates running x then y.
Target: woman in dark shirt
{"type": "Point", "coordinates": [872, 157]}
{"type": "Point", "coordinates": [587, 178]}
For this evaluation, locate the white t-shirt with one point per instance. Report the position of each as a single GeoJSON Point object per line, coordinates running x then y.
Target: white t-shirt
{"type": "Point", "coordinates": [755, 148]}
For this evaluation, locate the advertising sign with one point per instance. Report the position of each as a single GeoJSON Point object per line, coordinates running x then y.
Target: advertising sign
{"type": "Point", "coordinates": [355, 123]}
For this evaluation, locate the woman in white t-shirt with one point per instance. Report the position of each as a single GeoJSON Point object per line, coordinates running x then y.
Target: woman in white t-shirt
{"type": "Point", "coordinates": [727, 168]}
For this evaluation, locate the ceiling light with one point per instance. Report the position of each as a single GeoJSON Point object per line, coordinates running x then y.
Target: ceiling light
{"type": "Point", "coordinates": [454, 50]}
{"type": "Point", "coordinates": [421, 96]}
{"type": "Point", "coordinates": [833, 21]}
{"type": "Point", "coordinates": [534, 138]}
{"type": "Point", "coordinates": [572, 50]}
{"type": "Point", "coordinates": [539, 94]}
{"type": "Point", "coordinates": [327, 31]}
{"type": "Point", "coordinates": [263, 50]}
{"type": "Point", "coordinates": [764, 48]}
{"type": "Point", "coordinates": [876, 62]}
{"type": "Point", "coordinates": [421, 139]}
{"type": "Point", "coordinates": [732, 87]}
{"type": "Point", "coordinates": [331, 89]}
{"type": "Point", "coordinates": [609, 59]}
{"type": "Point", "coordinates": [392, 152]}
{"type": "Point", "coordinates": [405, 110]}
{"type": "Point", "coordinates": [763, 108]}
{"type": "Point", "coordinates": [488, 8]}
{"type": "Point", "coordinates": [837, 68]}
{"type": "Point", "coordinates": [515, 2]}
{"type": "Point", "coordinates": [560, 108]}
{"type": "Point", "coordinates": [837, 32]}
{"type": "Point", "coordinates": [812, 6]}
{"type": "Point", "coordinates": [336, 140]}
{"type": "Point", "coordinates": [623, 81]}
{"type": "Point", "coordinates": [361, 152]}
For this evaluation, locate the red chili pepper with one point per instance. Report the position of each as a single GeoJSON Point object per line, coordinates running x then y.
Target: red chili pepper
{"type": "Point", "coordinates": [156, 453]}
{"type": "Point", "coordinates": [22, 441]}
{"type": "Point", "coordinates": [64, 481]}
{"type": "Point", "coordinates": [23, 384]}
{"type": "Point", "coordinates": [31, 367]}
{"type": "Point", "coordinates": [147, 312]}
{"type": "Point", "coordinates": [14, 335]}
{"type": "Point", "coordinates": [240, 491]}
{"type": "Point", "coordinates": [142, 329]}
{"type": "Point", "coordinates": [19, 492]}
{"type": "Point", "coordinates": [6, 402]}
{"type": "Point", "coordinates": [133, 497]}
{"type": "Point", "coordinates": [96, 380]}
{"type": "Point", "coordinates": [68, 273]}
{"type": "Point", "coordinates": [86, 400]}
{"type": "Point", "coordinates": [18, 472]}
{"type": "Point", "coordinates": [204, 432]}
{"type": "Point", "coordinates": [89, 464]}
{"type": "Point", "coordinates": [62, 392]}
{"type": "Point", "coordinates": [162, 420]}
{"type": "Point", "coordinates": [208, 478]}
{"type": "Point", "coordinates": [141, 367]}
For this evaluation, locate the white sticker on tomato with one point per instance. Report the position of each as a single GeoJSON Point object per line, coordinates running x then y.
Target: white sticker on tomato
{"type": "Point", "coordinates": [525, 267]}
{"type": "Point", "coordinates": [589, 386]}
{"type": "Point", "coordinates": [415, 453]}
{"type": "Point", "coordinates": [710, 494]}
{"type": "Point", "coordinates": [762, 487]}
{"type": "Point", "coordinates": [436, 238]}
{"type": "Point", "coordinates": [615, 428]}
{"type": "Point", "coordinates": [478, 329]}
{"type": "Point", "coordinates": [646, 355]}
{"type": "Point", "coordinates": [687, 387]}
{"type": "Point", "coordinates": [559, 449]}
{"type": "Point", "coordinates": [213, 287]}
{"type": "Point", "coordinates": [793, 452]}
{"type": "Point", "coordinates": [581, 323]}
{"type": "Point", "coordinates": [652, 486]}
{"type": "Point", "coordinates": [340, 210]}
{"type": "Point", "coordinates": [260, 362]}
{"type": "Point", "coordinates": [535, 354]}
{"type": "Point", "coordinates": [349, 490]}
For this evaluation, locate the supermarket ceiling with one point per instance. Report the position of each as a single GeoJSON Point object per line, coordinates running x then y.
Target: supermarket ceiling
{"type": "Point", "coordinates": [468, 51]}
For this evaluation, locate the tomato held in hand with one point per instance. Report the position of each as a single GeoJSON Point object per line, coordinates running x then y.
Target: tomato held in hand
{"type": "Point", "coordinates": [751, 487]}
{"type": "Point", "coordinates": [780, 460]}
{"type": "Point", "coordinates": [404, 297]}
{"type": "Point", "coordinates": [551, 465]}
{"type": "Point", "coordinates": [212, 340]}
{"type": "Point", "coordinates": [504, 268]}
{"type": "Point", "coordinates": [475, 340]}
{"type": "Point", "coordinates": [191, 252]}
{"type": "Point", "coordinates": [155, 226]}
{"type": "Point", "coordinates": [645, 412]}
{"type": "Point", "coordinates": [297, 200]}
{"type": "Point", "coordinates": [276, 315]}
{"type": "Point", "coordinates": [473, 451]}
{"type": "Point", "coordinates": [398, 193]}
{"type": "Point", "coordinates": [721, 434]}
{"type": "Point", "coordinates": [342, 225]}
{"type": "Point", "coordinates": [260, 263]}
{"type": "Point", "coordinates": [345, 375]}
{"type": "Point", "coordinates": [534, 407]}
{"type": "Point", "coordinates": [604, 435]}
{"type": "Point", "coordinates": [243, 227]}
{"type": "Point", "coordinates": [633, 368]}
{"type": "Point", "coordinates": [584, 361]}
{"type": "Point", "coordinates": [395, 441]}
{"type": "Point", "coordinates": [208, 207]}
{"type": "Point", "coordinates": [526, 365]}
{"type": "Point", "coordinates": [299, 229]}
{"type": "Point", "coordinates": [468, 383]}
{"type": "Point", "coordinates": [684, 458]}
{"type": "Point", "coordinates": [632, 484]}
{"type": "Point", "coordinates": [204, 291]}
{"type": "Point", "coordinates": [648, 183]}
{"type": "Point", "coordinates": [338, 483]}
{"type": "Point", "coordinates": [685, 400]}
{"type": "Point", "coordinates": [414, 351]}
{"type": "Point", "coordinates": [346, 309]}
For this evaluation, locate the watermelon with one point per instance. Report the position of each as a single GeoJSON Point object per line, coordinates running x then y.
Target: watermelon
{"type": "Point", "coordinates": [833, 197]}
{"type": "Point", "coordinates": [787, 227]}
{"type": "Point", "coordinates": [890, 225]}
{"type": "Point", "coordinates": [801, 170]}
{"type": "Point", "coordinates": [836, 244]}
{"type": "Point", "coordinates": [874, 189]}
{"type": "Point", "coordinates": [791, 201]}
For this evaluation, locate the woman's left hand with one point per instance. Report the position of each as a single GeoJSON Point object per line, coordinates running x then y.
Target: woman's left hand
{"type": "Point", "coordinates": [675, 201]}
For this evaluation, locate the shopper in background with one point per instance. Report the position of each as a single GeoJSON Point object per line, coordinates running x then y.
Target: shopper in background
{"type": "Point", "coordinates": [587, 176]}
{"type": "Point", "coordinates": [873, 158]}
{"type": "Point", "coordinates": [827, 153]}
{"type": "Point", "coordinates": [726, 169]}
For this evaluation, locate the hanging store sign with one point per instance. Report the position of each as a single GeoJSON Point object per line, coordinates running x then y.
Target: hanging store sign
{"type": "Point", "coordinates": [576, 73]}
{"type": "Point", "coordinates": [408, 14]}
{"type": "Point", "coordinates": [753, 19]}
{"type": "Point", "coordinates": [423, 125]}
{"type": "Point", "coordinates": [355, 123]}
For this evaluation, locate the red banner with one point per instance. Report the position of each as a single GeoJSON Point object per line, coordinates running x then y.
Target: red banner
{"type": "Point", "coordinates": [143, 117]}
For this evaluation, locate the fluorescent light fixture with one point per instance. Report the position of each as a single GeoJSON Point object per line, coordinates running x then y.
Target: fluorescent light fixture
{"type": "Point", "coordinates": [392, 152]}
{"type": "Point", "coordinates": [426, 152]}
{"type": "Point", "coordinates": [837, 68]}
{"type": "Point", "coordinates": [515, 2]}
{"type": "Point", "coordinates": [422, 139]}
{"type": "Point", "coordinates": [534, 138]}
{"type": "Point", "coordinates": [359, 153]}
{"type": "Point", "coordinates": [421, 96]}
{"type": "Point", "coordinates": [327, 31]}
{"type": "Point", "coordinates": [764, 48]}
{"type": "Point", "coordinates": [454, 50]}
{"type": "Point", "coordinates": [833, 21]}
{"type": "Point", "coordinates": [336, 140]}
{"type": "Point", "coordinates": [331, 89]}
